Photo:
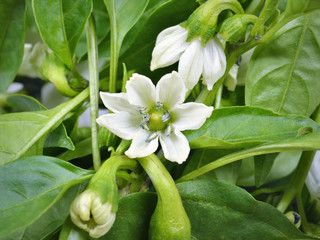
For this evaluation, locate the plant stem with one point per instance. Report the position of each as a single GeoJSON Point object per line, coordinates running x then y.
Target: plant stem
{"type": "Point", "coordinates": [297, 180]}
{"type": "Point", "coordinates": [94, 89]}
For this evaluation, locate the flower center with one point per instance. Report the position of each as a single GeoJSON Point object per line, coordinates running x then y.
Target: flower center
{"type": "Point", "coordinates": [156, 119]}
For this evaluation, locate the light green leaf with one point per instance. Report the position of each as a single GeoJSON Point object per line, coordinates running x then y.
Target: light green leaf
{"type": "Point", "coordinates": [12, 34]}
{"type": "Point", "coordinates": [235, 127]}
{"type": "Point", "coordinates": [61, 24]}
{"type": "Point", "coordinates": [283, 71]}
{"type": "Point", "coordinates": [82, 149]}
{"type": "Point", "coordinates": [20, 131]}
{"type": "Point", "coordinates": [263, 165]}
{"type": "Point", "coordinates": [123, 15]}
{"type": "Point", "coordinates": [222, 211]}
{"type": "Point", "coordinates": [30, 186]}
{"type": "Point", "coordinates": [50, 221]}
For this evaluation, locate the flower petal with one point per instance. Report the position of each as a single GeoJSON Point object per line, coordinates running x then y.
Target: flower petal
{"type": "Point", "coordinates": [139, 147]}
{"type": "Point", "coordinates": [123, 124]}
{"type": "Point", "coordinates": [171, 90]}
{"type": "Point", "coordinates": [214, 64]}
{"type": "Point", "coordinates": [175, 147]}
{"type": "Point", "coordinates": [170, 44]}
{"type": "Point", "coordinates": [141, 91]}
{"type": "Point", "coordinates": [117, 102]}
{"type": "Point", "coordinates": [191, 64]}
{"type": "Point", "coordinates": [190, 115]}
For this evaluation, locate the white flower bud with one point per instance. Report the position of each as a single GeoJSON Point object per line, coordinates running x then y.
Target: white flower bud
{"type": "Point", "coordinates": [90, 214]}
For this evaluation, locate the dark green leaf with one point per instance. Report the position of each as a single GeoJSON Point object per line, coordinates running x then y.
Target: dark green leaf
{"type": "Point", "coordinates": [235, 127]}
{"type": "Point", "coordinates": [263, 165]}
{"type": "Point", "coordinates": [24, 103]}
{"type": "Point", "coordinates": [30, 186]}
{"type": "Point", "coordinates": [133, 217]}
{"type": "Point", "coordinates": [222, 211]}
{"type": "Point", "coordinates": [50, 220]}
{"type": "Point", "coordinates": [283, 72]}
{"type": "Point", "coordinates": [61, 24]}
{"type": "Point", "coordinates": [59, 138]}
{"type": "Point", "coordinates": [12, 33]}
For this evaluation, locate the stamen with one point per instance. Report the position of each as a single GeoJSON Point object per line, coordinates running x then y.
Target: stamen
{"type": "Point", "coordinates": [166, 116]}
{"type": "Point", "coordinates": [152, 136]}
{"type": "Point", "coordinates": [169, 130]}
{"type": "Point", "coordinates": [144, 125]}
{"type": "Point", "coordinates": [141, 110]}
{"type": "Point", "coordinates": [146, 117]}
{"type": "Point", "coordinates": [159, 106]}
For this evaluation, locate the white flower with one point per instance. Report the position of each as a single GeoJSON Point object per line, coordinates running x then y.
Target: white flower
{"type": "Point", "coordinates": [313, 178]}
{"type": "Point", "coordinates": [147, 113]}
{"type": "Point", "coordinates": [89, 214]}
{"type": "Point", "coordinates": [194, 59]}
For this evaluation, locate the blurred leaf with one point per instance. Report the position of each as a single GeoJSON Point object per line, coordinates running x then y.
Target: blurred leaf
{"type": "Point", "coordinates": [236, 127]}
{"type": "Point", "coordinates": [82, 149]}
{"type": "Point", "coordinates": [30, 186]}
{"type": "Point", "coordinates": [283, 71]}
{"type": "Point", "coordinates": [222, 211]}
{"type": "Point", "coordinates": [12, 34]}
{"type": "Point", "coordinates": [24, 103]}
{"type": "Point", "coordinates": [61, 24]}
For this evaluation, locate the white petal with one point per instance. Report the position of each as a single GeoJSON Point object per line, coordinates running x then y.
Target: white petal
{"type": "Point", "coordinates": [190, 115]}
{"type": "Point", "coordinates": [175, 147]}
{"type": "Point", "coordinates": [141, 91]}
{"type": "Point", "coordinates": [139, 147]}
{"type": "Point", "coordinates": [231, 80]}
{"type": "Point", "coordinates": [214, 64]}
{"type": "Point", "coordinates": [170, 44]}
{"type": "Point", "coordinates": [171, 90]}
{"type": "Point", "coordinates": [123, 124]}
{"type": "Point", "coordinates": [117, 102]}
{"type": "Point", "coordinates": [191, 64]}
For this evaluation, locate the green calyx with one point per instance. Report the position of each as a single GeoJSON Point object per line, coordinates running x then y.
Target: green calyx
{"type": "Point", "coordinates": [234, 29]}
{"type": "Point", "coordinates": [203, 21]}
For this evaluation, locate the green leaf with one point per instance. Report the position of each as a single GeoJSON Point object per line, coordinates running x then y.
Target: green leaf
{"type": "Point", "coordinates": [61, 24]}
{"type": "Point", "coordinates": [59, 138]}
{"type": "Point", "coordinates": [24, 103]}
{"type": "Point", "coordinates": [263, 165]}
{"type": "Point", "coordinates": [81, 149]}
{"type": "Point", "coordinates": [12, 34]}
{"type": "Point", "coordinates": [50, 220]}
{"type": "Point", "coordinates": [123, 15]}
{"type": "Point", "coordinates": [71, 232]}
{"type": "Point", "coordinates": [20, 131]}
{"type": "Point", "coordinates": [133, 217]}
{"type": "Point", "coordinates": [222, 211]}
{"type": "Point", "coordinates": [30, 186]}
{"type": "Point", "coordinates": [236, 127]}
{"type": "Point", "coordinates": [283, 71]}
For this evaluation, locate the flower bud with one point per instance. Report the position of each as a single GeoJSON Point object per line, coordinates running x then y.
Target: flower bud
{"type": "Point", "coordinates": [203, 21]}
{"type": "Point", "coordinates": [77, 84]}
{"type": "Point", "coordinates": [234, 29]}
{"type": "Point", "coordinates": [294, 218]}
{"type": "Point", "coordinates": [55, 71]}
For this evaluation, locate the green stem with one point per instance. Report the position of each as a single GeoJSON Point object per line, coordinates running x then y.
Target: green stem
{"type": "Point", "coordinates": [114, 48]}
{"type": "Point", "coordinates": [259, 150]}
{"type": "Point", "coordinates": [304, 223]}
{"type": "Point", "coordinates": [218, 98]}
{"type": "Point", "coordinates": [267, 190]}
{"type": "Point", "coordinates": [94, 89]}
{"type": "Point", "coordinates": [297, 180]}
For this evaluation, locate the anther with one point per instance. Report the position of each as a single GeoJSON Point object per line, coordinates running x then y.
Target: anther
{"type": "Point", "coordinates": [159, 106]}
{"type": "Point", "coordinates": [141, 110]}
{"type": "Point", "coordinates": [152, 136]}
{"type": "Point", "coordinates": [144, 125]}
{"type": "Point", "coordinates": [166, 116]}
{"type": "Point", "coordinates": [169, 130]}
